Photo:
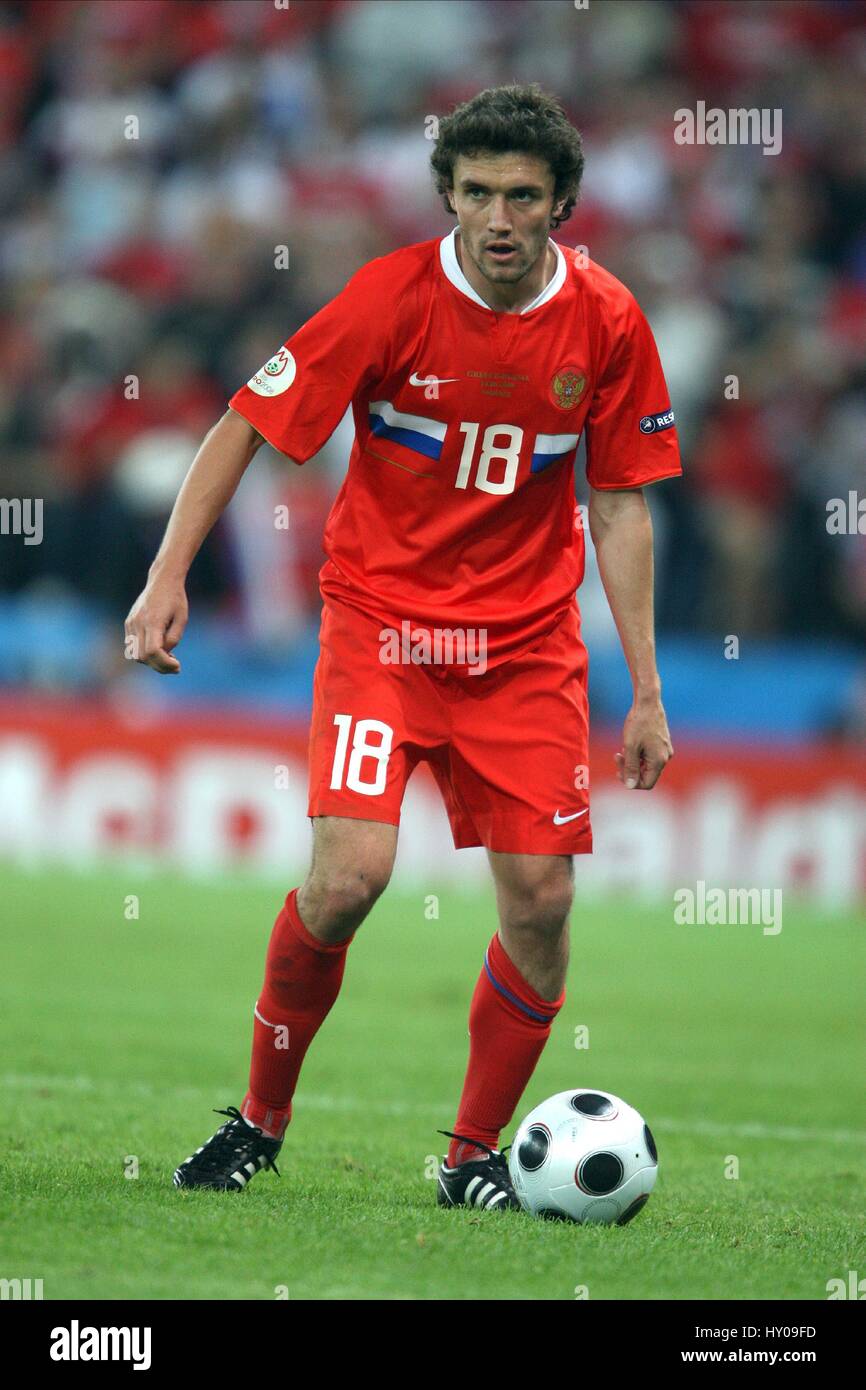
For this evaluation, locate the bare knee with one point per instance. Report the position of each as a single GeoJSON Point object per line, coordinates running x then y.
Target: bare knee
{"type": "Point", "coordinates": [536, 899]}
{"type": "Point", "coordinates": [352, 863]}
{"type": "Point", "coordinates": [332, 899]}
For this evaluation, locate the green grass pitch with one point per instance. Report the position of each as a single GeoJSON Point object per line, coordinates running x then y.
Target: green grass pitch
{"type": "Point", "coordinates": [119, 1036]}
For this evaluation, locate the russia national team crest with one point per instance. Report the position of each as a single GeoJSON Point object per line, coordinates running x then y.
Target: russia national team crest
{"type": "Point", "coordinates": [567, 387]}
{"type": "Point", "coordinates": [276, 376]}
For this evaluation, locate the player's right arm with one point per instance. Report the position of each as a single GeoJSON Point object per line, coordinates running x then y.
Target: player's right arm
{"type": "Point", "coordinates": [294, 404]}
{"type": "Point", "coordinates": [158, 617]}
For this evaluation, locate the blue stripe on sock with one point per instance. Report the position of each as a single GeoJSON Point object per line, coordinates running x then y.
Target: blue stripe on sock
{"type": "Point", "coordinates": [506, 993]}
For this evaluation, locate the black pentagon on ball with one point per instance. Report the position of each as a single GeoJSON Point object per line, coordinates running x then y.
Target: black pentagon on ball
{"type": "Point", "coordinates": [650, 1143]}
{"type": "Point", "coordinates": [600, 1174]}
{"type": "Point", "coordinates": [553, 1214]}
{"type": "Point", "coordinates": [591, 1104]}
{"type": "Point", "coordinates": [534, 1148]}
{"type": "Point", "coordinates": [631, 1212]}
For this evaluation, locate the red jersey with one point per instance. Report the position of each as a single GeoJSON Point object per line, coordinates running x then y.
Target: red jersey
{"type": "Point", "coordinates": [458, 507]}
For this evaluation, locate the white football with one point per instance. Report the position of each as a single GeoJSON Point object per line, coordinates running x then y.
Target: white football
{"type": "Point", "coordinates": [584, 1155]}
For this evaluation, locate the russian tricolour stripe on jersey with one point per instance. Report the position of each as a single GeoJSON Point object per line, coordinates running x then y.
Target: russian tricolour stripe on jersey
{"type": "Point", "coordinates": [414, 432]}
{"type": "Point", "coordinates": [454, 508]}
{"type": "Point", "coordinates": [550, 448]}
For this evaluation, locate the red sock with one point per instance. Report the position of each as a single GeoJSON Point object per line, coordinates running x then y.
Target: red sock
{"type": "Point", "coordinates": [508, 1026]}
{"type": "Point", "coordinates": [302, 980]}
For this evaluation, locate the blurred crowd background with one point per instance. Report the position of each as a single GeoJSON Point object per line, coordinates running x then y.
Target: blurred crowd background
{"type": "Point", "coordinates": [151, 260]}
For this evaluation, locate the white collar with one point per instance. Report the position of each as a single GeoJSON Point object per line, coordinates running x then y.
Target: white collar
{"type": "Point", "coordinates": [452, 268]}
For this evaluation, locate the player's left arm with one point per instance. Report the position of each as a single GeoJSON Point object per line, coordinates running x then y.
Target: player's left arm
{"type": "Point", "coordinates": [621, 528]}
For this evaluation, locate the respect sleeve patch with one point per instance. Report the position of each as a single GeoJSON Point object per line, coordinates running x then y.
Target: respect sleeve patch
{"type": "Point", "coordinates": [651, 424]}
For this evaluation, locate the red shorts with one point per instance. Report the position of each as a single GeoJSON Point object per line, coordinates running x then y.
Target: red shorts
{"type": "Point", "coordinates": [508, 748]}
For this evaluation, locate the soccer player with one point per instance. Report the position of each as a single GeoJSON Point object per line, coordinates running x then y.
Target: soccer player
{"type": "Point", "coordinates": [450, 631]}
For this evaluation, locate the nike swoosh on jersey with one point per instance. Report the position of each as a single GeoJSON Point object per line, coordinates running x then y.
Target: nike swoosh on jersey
{"type": "Point", "coordinates": [563, 820]}
{"type": "Point", "coordinates": [416, 380]}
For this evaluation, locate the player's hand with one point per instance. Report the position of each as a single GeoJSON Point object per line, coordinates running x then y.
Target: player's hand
{"type": "Point", "coordinates": [646, 747]}
{"type": "Point", "coordinates": [156, 623]}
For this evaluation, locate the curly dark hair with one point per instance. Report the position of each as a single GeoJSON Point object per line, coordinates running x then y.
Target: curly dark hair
{"type": "Point", "coordinates": [513, 118]}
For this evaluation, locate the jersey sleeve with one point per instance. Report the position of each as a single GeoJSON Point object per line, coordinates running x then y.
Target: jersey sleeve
{"type": "Point", "coordinates": [297, 399]}
{"type": "Point", "coordinates": [631, 437]}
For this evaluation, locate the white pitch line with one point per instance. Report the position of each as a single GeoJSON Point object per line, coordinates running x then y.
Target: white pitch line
{"type": "Point", "coordinates": [712, 1129]}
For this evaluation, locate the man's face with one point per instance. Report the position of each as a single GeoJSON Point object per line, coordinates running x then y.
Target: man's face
{"type": "Point", "coordinates": [504, 203]}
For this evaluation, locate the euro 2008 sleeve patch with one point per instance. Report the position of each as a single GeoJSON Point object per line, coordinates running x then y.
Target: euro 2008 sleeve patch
{"type": "Point", "coordinates": [276, 376]}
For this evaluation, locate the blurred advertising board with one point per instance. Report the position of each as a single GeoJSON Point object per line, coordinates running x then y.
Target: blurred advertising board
{"type": "Point", "coordinates": [85, 784]}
